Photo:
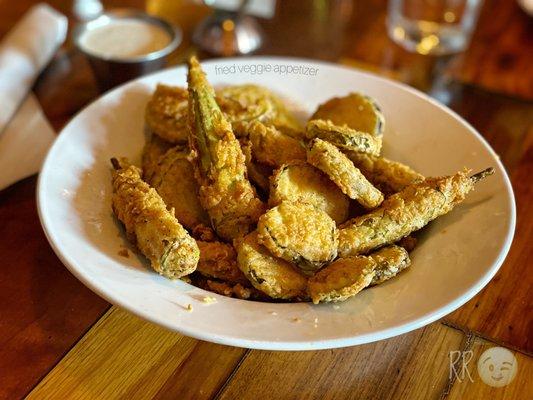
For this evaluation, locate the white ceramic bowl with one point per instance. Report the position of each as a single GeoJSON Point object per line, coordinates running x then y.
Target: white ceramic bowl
{"type": "Point", "coordinates": [457, 255]}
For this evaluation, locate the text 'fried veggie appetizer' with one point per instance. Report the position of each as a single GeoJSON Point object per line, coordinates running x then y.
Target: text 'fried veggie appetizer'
{"type": "Point", "coordinates": [342, 279]}
{"type": "Point", "coordinates": [390, 261]}
{"type": "Point", "coordinates": [356, 110]}
{"type": "Point", "coordinates": [273, 276]}
{"type": "Point", "coordinates": [225, 192]}
{"type": "Point", "coordinates": [155, 231]}
{"type": "Point", "coordinates": [299, 233]}
{"type": "Point", "coordinates": [405, 212]}
{"type": "Point", "coordinates": [343, 137]}
{"type": "Point", "coordinates": [329, 159]}
{"type": "Point", "coordinates": [301, 182]}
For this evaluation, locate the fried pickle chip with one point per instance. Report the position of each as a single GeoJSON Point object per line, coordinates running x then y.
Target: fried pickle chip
{"type": "Point", "coordinates": [273, 276]}
{"type": "Point", "coordinates": [219, 260]}
{"type": "Point", "coordinates": [327, 158]}
{"type": "Point", "coordinates": [341, 279]}
{"type": "Point", "coordinates": [299, 233]}
{"type": "Point", "coordinates": [390, 260]}
{"type": "Point", "coordinates": [153, 150]}
{"type": "Point", "coordinates": [356, 110]}
{"type": "Point", "coordinates": [257, 173]}
{"type": "Point", "coordinates": [301, 182]}
{"type": "Point", "coordinates": [166, 113]}
{"type": "Point", "coordinates": [174, 180]}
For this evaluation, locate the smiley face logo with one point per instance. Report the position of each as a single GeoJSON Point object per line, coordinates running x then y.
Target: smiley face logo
{"type": "Point", "coordinates": [497, 366]}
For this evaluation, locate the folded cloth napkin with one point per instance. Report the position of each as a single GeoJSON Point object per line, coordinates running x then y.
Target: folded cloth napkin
{"type": "Point", "coordinates": [24, 52]}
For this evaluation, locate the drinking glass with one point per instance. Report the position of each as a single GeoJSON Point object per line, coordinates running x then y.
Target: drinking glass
{"type": "Point", "coordinates": [436, 27]}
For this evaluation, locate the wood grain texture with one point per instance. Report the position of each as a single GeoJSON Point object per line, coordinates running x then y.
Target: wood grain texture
{"type": "Point", "coordinates": [411, 366]}
{"type": "Point", "coordinates": [125, 357]}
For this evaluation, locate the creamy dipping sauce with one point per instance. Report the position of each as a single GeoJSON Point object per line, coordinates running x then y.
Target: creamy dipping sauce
{"type": "Point", "coordinates": [124, 38]}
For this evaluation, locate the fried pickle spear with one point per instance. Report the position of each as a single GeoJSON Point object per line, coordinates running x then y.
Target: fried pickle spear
{"type": "Point", "coordinates": [343, 137]}
{"type": "Point", "coordinates": [272, 147]}
{"type": "Point", "coordinates": [273, 276]}
{"type": "Point", "coordinates": [219, 260]}
{"type": "Point", "coordinates": [405, 212]}
{"type": "Point", "coordinates": [390, 176]}
{"type": "Point", "coordinates": [149, 225]}
{"type": "Point", "coordinates": [342, 279]}
{"type": "Point", "coordinates": [301, 182]}
{"type": "Point", "coordinates": [299, 233]}
{"type": "Point", "coordinates": [174, 180]}
{"type": "Point", "coordinates": [225, 192]}
{"type": "Point", "coordinates": [329, 159]}
{"type": "Point", "coordinates": [390, 261]}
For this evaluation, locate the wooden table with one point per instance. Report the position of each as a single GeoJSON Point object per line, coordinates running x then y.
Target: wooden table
{"type": "Point", "coordinates": [59, 340]}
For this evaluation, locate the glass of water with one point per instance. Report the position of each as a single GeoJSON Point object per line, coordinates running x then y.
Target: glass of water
{"type": "Point", "coordinates": [436, 27]}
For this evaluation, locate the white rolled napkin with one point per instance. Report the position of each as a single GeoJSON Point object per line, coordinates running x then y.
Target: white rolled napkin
{"type": "Point", "coordinates": [24, 52]}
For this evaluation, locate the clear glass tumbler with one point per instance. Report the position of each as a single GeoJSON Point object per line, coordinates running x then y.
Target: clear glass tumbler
{"type": "Point", "coordinates": [436, 27]}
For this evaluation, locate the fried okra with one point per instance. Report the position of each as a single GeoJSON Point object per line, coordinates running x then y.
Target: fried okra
{"type": "Point", "coordinates": [343, 137]}
{"type": "Point", "coordinates": [174, 180]}
{"type": "Point", "coordinates": [390, 261]}
{"type": "Point", "coordinates": [219, 260]}
{"type": "Point", "coordinates": [299, 233]}
{"type": "Point", "coordinates": [342, 279]}
{"type": "Point", "coordinates": [225, 192]}
{"type": "Point", "coordinates": [327, 158]}
{"type": "Point", "coordinates": [301, 182]}
{"type": "Point", "coordinates": [356, 110]}
{"type": "Point", "coordinates": [149, 225]}
{"type": "Point", "coordinates": [271, 275]}
{"type": "Point", "coordinates": [405, 212]}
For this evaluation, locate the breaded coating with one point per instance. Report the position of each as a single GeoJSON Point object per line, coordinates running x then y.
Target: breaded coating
{"type": "Point", "coordinates": [174, 180]}
{"type": "Point", "coordinates": [166, 113]}
{"type": "Point", "coordinates": [225, 192]}
{"type": "Point", "coordinates": [356, 110]}
{"type": "Point", "coordinates": [405, 212]}
{"type": "Point", "coordinates": [390, 260]}
{"type": "Point", "coordinates": [149, 225]}
{"type": "Point", "coordinates": [259, 174]}
{"type": "Point", "coordinates": [390, 176]}
{"type": "Point", "coordinates": [273, 147]}
{"type": "Point", "coordinates": [239, 291]}
{"type": "Point", "coordinates": [153, 150]}
{"type": "Point", "coordinates": [301, 182]}
{"type": "Point", "coordinates": [329, 159]}
{"type": "Point", "coordinates": [408, 243]}
{"type": "Point", "coordinates": [273, 276]}
{"type": "Point", "coordinates": [343, 137]}
{"type": "Point", "coordinates": [299, 233]}
{"type": "Point", "coordinates": [342, 279]}
{"type": "Point", "coordinates": [219, 260]}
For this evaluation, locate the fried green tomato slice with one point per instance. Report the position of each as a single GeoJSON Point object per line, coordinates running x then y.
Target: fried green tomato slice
{"type": "Point", "coordinates": [329, 159]}
{"type": "Point", "coordinates": [149, 225]}
{"type": "Point", "coordinates": [390, 176]}
{"type": "Point", "coordinates": [174, 180]}
{"type": "Point", "coordinates": [272, 147]}
{"type": "Point", "coordinates": [271, 275]}
{"type": "Point", "coordinates": [343, 137]}
{"type": "Point", "coordinates": [405, 212]}
{"type": "Point", "coordinates": [299, 233]}
{"type": "Point", "coordinates": [390, 261]}
{"type": "Point", "coordinates": [342, 279]}
{"type": "Point", "coordinates": [166, 113]}
{"type": "Point", "coordinates": [356, 110]}
{"type": "Point", "coordinates": [301, 182]}
{"type": "Point", "coordinates": [219, 260]}
{"type": "Point", "coordinates": [154, 148]}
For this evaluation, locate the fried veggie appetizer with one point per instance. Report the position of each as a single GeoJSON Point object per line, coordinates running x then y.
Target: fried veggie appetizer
{"type": "Point", "coordinates": [272, 147]}
{"type": "Point", "coordinates": [329, 159]}
{"type": "Point", "coordinates": [149, 225]}
{"type": "Point", "coordinates": [258, 173]}
{"type": "Point", "coordinates": [301, 182]}
{"type": "Point", "coordinates": [342, 279]}
{"type": "Point", "coordinates": [390, 261]}
{"type": "Point", "coordinates": [225, 192]}
{"type": "Point", "coordinates": [174, 180]}
{"type": "Point", "coordinates": [153, 150]}
{"type": "Point", "coordinates": [166, 113]}
{"type": "Point", "coordinates": [343, 137]}
{"type": "Point", "coordinates": [219, 260]}
{"type": "Point", "coordinates": [299, 233]}
{"type": "Point", "coordinates": [356, 110]}
{"type": "Point", "coordinates": [273, 276]}
{"type": "Point", "coordinates": [405, 212]}
{"type": "Point", "coordinates": [389, 176]}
